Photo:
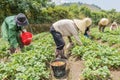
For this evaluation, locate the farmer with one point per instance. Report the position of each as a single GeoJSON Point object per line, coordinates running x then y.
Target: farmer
{"type": "Point", "coordinates": [11, 29]}
{"type": "Point", "coordinates": [68, 28]}
{"type": "Point", "coordinates": [102, 24]}
{"type": "Point", "coordinates": [113, 26]}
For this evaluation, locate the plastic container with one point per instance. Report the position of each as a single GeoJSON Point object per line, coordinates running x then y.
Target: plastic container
{"type": "Point", "coordinates": [59, 68]}
{"type": "Point", "coordinates": [26, 38]}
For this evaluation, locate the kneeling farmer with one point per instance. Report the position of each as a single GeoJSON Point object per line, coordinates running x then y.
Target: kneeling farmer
{"type": "Point", "coordinates": [68, 28]}
{"type": "Point", "coordinates": [11, 29]}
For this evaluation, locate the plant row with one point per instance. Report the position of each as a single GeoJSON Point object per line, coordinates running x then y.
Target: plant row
{"type": "Point", "coordinates": [99, 59]}
{"type": "Point", "coordinates": [32, 63]}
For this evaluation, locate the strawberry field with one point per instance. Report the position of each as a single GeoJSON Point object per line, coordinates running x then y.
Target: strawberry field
{"type": "Point", "coordinates": [101, 54]}
{"type": "Point", "coordinates": [99, 59]}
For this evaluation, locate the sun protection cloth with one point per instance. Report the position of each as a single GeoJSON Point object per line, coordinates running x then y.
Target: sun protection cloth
{"type": "Point", "coordinates": [10, 32]}
{"type": "Point", "coordinates": [21, 20]}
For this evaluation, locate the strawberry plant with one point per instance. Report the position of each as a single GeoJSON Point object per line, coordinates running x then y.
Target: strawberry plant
{"type": "Point", "coordinates": [31, 64]}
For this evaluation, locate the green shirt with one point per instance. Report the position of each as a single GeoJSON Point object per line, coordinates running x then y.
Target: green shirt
{"type": "Point", "coordinates": [10, 31]}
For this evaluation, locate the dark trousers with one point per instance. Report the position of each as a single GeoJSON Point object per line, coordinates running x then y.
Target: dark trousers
{"type": "Point", "coordinates": [57, 38]}
{"type": "Point", "coordinates": [101, 28]}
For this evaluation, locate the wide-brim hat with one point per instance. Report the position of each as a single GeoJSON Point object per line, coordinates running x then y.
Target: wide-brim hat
{"type": "Point", "coordinates": [21, 20]}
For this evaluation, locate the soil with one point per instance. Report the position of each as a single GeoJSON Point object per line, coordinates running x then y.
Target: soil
{"type": "Point", "coordinates": [100, 42]}
{"type": "Point", "coordinates": [115, 75]}
{"type": "Point", "coordinates": [76, 67]}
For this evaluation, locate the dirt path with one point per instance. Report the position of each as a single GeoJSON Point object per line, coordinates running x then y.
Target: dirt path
{"type": "Point", "coordinates": [115, 75]}
{"type": "Point", "coordinates": [76, 67]}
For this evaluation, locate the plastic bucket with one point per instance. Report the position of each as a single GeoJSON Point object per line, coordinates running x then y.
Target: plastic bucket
{"type": "Point", "coordinates": [59, 67]}
{"type": "Point", "coordinates": [26, 38]}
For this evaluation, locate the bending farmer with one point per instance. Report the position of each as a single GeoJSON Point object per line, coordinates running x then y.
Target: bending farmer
{"type": "Point", "coordinates": [68, 28]}
{"type": "Point", "coordinates": [11, 29]}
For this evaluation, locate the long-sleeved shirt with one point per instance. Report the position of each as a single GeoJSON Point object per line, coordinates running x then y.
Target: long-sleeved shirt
{"type": "Point", "coordinates": [69, 27]}
{"type": "Point", "coordinates": [10, 31]}
{"type": "Point", "coordinates": [66, 27]}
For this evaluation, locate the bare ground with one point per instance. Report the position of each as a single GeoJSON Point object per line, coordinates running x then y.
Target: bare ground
{"type": "Point", "coordinates": [115, 75]}
{"type": "Point", "coordinates": [76, 67]}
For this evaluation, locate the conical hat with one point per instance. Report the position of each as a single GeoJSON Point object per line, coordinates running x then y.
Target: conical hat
{"type": "Point", "coordinates": [80, 24]}
{"type": "Point", "coordinates": [104, 21]}
{"type": "Point", "coordinates": [83, 24]}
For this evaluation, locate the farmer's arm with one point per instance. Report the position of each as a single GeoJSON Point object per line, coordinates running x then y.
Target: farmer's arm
{"type": "Point", "coordinates": [13, 36]}
{"type": "Point", "coordinates": [78, 40]}
{"type": "Point", "coordinates": [16, 41]}
{"type": "Point", "coordinates": [23, 29]}
{"type": "Point", "coordinates": [4, 31]}
{"type": "Point", "coordinates": [87, 31]}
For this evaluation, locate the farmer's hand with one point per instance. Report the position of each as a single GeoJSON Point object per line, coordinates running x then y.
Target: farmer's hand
{"type": "Point", "coordinates": [80, 43]}
{"type": "Point", "coordinates": [88, 32]}
{"type": "Point", "coordinates": [17, 50]}
{"type": "Point", "coordinates": [24, 30]}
